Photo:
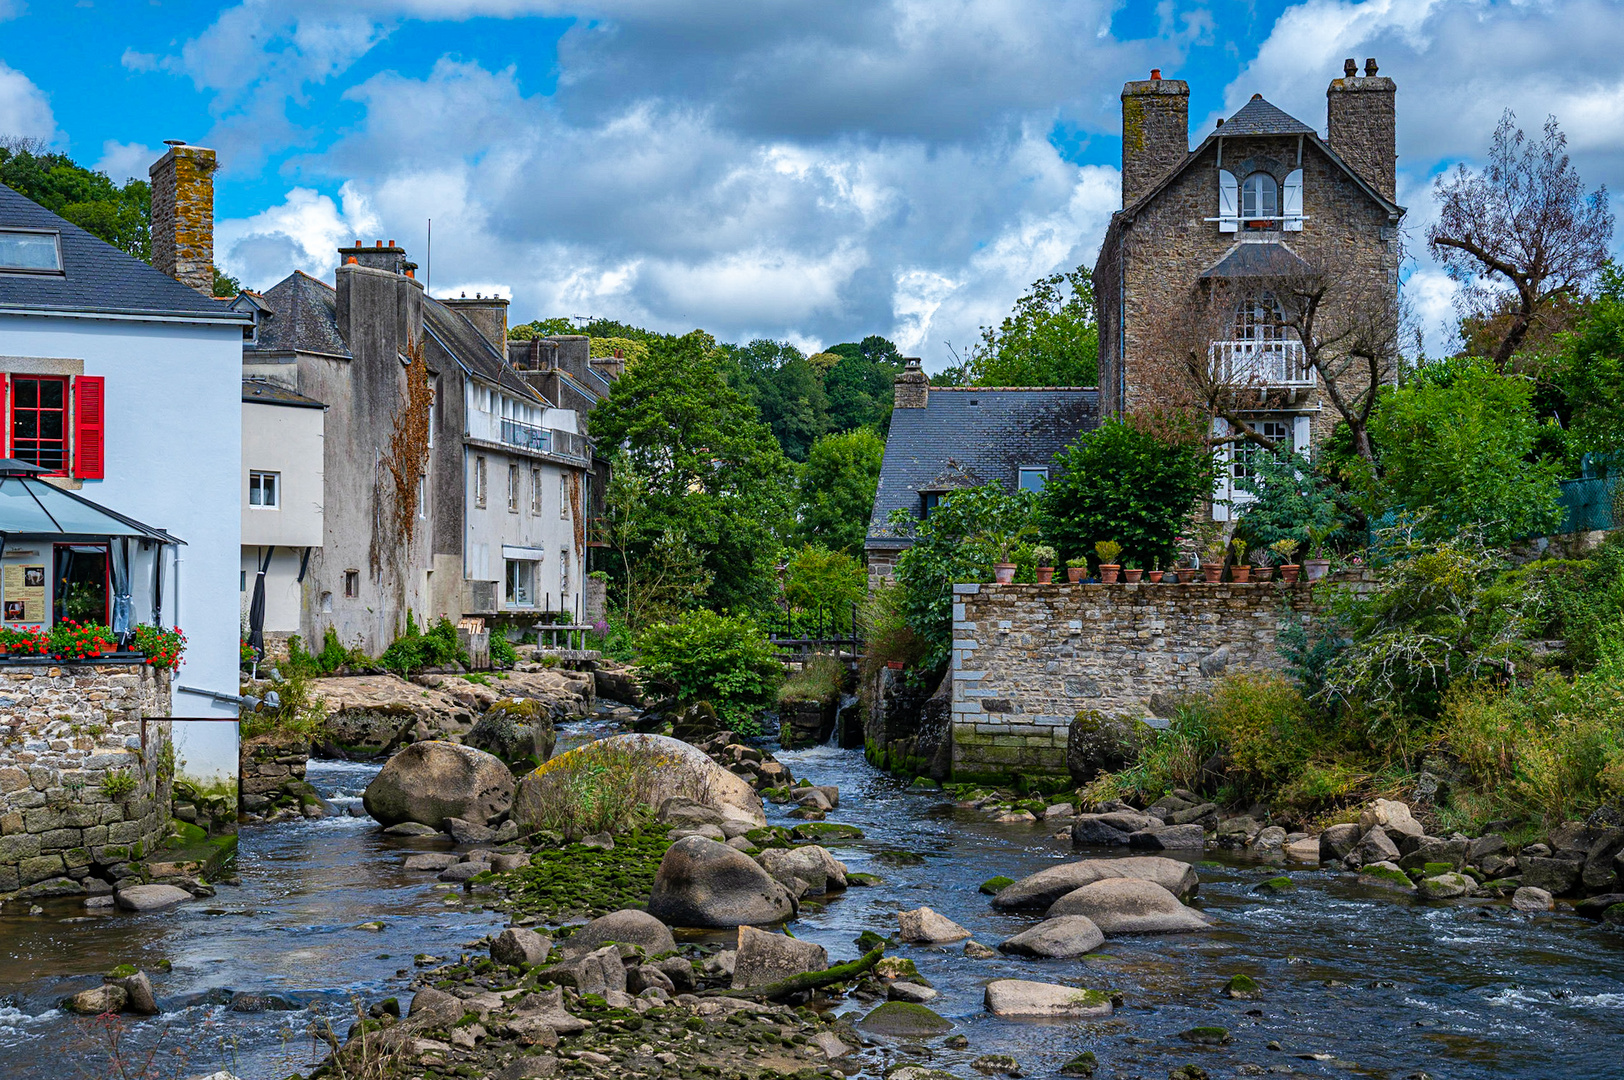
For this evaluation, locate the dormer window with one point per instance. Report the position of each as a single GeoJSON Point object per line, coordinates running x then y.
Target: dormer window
{"type": "Point", "coordinates": [1260, 201]}
{"type": "Point", "coordinates": [30, 251]}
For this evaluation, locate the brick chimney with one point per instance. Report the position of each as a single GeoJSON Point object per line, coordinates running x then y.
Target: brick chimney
{"type": "Point", "coordinates": [1155, 131]}
{"type": "Point", "coordinates": [183, 215]}
{"type": "Point", "coordinates": [489, 314]}
{"type": "Point", "coordinates": [912, 387]}
{"type": "Point", "coordinates": [1361, 126]}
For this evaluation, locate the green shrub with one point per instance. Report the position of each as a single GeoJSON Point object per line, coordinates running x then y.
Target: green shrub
{"type": "Point", "coordinates": [1168, 759]}
{"type": "Point", "coordinates": [819, 579]}
{"type": "Point", "coordinates": [1289, 498]}
{"type": "Point", "coordinates": [301, 711]}
{"type": "Point", "coordinates": [821, 678]}
{"type": "Point", "coordinates": [1265, 729]}
{"type": "Point", "coordinates": [607, 786]}
{"type": "Point", "coordinates": [414, 650]}
{"type": "Point", "coordinates": [1127, 482]}
{"type": "Point", "coordinates": [503, 654]}
{"type": "Point", "coordinates": [1577, 600]}
{"type": "Point", "coordinates": [118, 784]}
{"type": "Point", "coordinates": [724, 660]}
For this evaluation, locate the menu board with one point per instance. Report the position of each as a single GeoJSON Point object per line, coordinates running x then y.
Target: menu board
{"type": "Point", "coordinates": [22, 592]}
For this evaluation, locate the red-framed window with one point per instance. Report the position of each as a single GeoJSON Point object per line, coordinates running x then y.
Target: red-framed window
{"type": "Point", "coordinates": [56, 422]}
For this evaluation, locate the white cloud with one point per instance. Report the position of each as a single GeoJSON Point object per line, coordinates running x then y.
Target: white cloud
{"type": "Point", "coordinates": [121, 161]}
{"type": "Point", "coordinates": [303, 233]}
{"type": "Point", "coordinates": [25, 112]}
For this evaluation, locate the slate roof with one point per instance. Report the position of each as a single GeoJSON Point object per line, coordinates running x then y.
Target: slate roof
{"type": "Point", "coordinates": [1259, 259]}
{"type": "Point", "coordinates": [261, 392]}
{"type": "Point", "coordinates": [986, 433]}
{"type": "Point", "coordinates": [303, 317]}
{"type": "Point", "coordinates": [458, 340]}
{"type": "Point", "coordinates": [96, 277]}
{"type": "Point", "coordinates": [1258, 117]}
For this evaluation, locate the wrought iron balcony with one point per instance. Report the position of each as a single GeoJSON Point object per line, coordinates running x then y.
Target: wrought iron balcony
{"type": "Point", "coordinates": [1262, 364]}
{"type": "Point", "coordinates": [546, 440]}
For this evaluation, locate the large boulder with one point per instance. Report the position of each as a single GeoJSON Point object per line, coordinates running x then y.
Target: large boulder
{"type": "Point", "coordinates": [432, 782]}
{"type": "Point", "coordinates": [1603, 859]}
{"type": "Point", "coordinates": [150, 897]}
{"type": "Point", "coordinates": [516, 730]}
{"type": "Point", "coordinates": [1109, 830]}
{"type": "Point", "coordinates": [628, 927]}
{"type": "Point", "coordinates": [765, 958]}
{"type": "Point", "coordinates": [925, 927]}
{"type": "Point", "coordinates": [1169, 838]}
{"type": "Point", "coordinates": [106, 998]}
{"type": "Point", "coordinates": [1021, 998]}
{"type": "Point", "coordinates": [1097, 743]}
{"type": "Point", "coordinates": [1337, 841]}
{"type": "Point", "coordinates": [517, 945]}
{"type": "Point", "coordinates": [1394, 817]}
{"type": "Point", "coordinates": [904, 1019]}
{"type": "Point", "coordinates": [803, 870]}
{"type": "Point", "coordinates": [671, 768]}
{"type": "Point", "coordinates": [702, 883]}
{"type": "Point", "coordinates": [1040, 890]}
{"type": "Point", "coordinates": [1056, 939]}
{"type": "Point", "coordinates": [1130, 906]}
{"type": "Point", "coordinates": [1376, 846]}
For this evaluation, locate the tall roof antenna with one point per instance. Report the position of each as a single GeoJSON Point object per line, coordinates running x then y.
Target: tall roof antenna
{"type": "Point", "coordinates": [428, 288]}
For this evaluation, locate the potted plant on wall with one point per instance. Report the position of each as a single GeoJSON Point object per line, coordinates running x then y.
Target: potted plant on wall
{"type": "Point", "coordinates": [1240, 570]}
{"type": "Point", "coordinates": [1262, 564]}
{"type": "Point", "coordinates": [1132, 571]}
{"type": "Point", "coordinates": [1212, 562]}
{"type": "Point", "coordinates": [1154, 574]}
{"type": "Point", "coordinates": [1108, 550]}
{"type": "Point", "coordinates": [1004, 544]}
{"type": "Point", "coordinates": [1045, 556]}
{"type": "Point", "coordinates": [1316, 566]}
{"type": "Point", "coordinates": [1075, 569]}
{"type": "Point", "coordinates": [1285, 550]}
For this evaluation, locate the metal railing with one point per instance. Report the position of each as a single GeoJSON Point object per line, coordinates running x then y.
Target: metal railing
{"type": "Point", "coordinates": [546, 440]}
{"type": "Point", "coordinates": [1590, 503]}
{"type": "Point", "coordinates": [1260, 363]}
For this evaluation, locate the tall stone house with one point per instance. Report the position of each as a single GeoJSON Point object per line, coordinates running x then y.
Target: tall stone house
{"type": "Point", "coordinates": [1191, 265]}
{"type": "Point", "coordinates": [492, 524]}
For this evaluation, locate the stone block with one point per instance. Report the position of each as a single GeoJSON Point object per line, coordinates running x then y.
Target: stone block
{"type": "Point", "coordinates": [21, 846]}
{"type": "Point", "coordinates": [40, 868]}
{"type": "Point", "coordinates": [124, 832]}
{"type": "Point", "coordinates": [60, 839]}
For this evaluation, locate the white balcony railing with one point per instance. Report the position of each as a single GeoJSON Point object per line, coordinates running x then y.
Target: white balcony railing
{"type": "Point", "coordinates": [1264, 364]}
{"type": "Point", "coordinates": [546, 440]}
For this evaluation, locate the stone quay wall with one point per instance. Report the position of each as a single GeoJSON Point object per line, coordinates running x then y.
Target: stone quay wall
{"type": "Point", "coordinates": [1029, 658]}
{"type": "Point", "coordinates": [82, 800]}
{"type": "Point", "coordinates": [267, 765]}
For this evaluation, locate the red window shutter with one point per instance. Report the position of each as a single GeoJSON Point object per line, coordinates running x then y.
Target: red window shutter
{"type": "Point", "coordinates": [5, 416]}
{"type": "Point", "coordinates": [89, 427]}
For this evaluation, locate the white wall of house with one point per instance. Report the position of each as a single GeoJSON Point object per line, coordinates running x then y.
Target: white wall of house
{"type": "Point", "coordinates": [284, 442]}
{"type": "Point", "coordinates": [173, 453]}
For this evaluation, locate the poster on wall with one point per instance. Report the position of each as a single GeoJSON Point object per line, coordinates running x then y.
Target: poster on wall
{"type": "Point", "coordinates": [23, 588]}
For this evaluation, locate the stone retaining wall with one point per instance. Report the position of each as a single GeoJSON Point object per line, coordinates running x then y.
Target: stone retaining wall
{"type": "Point", "coordinates": [268, 765]}
{"type": "Point", "coordinates": [82, 801]}
{"type": "Point", "coordinates": [1028, 658]}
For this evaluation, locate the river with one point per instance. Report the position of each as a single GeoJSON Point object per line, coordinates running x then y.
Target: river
{"type": "Point", "coordinates": [1378, 985]}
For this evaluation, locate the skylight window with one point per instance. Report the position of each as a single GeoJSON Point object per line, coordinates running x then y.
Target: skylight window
{"type": "Point", "coordinates": [30, 251]}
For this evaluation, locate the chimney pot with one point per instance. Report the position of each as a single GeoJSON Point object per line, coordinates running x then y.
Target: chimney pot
{"type": "Point", "coordinates": [391, 243]}
{"type": "Point", "coordinates": [1350, 68]}
{"type": "Point", "coordinates": [411, 274]}
{"type": "Point", "coordinates": [350, 261]}
{"type": "Point", "coordinates": [183, 214]}
{"type": "Point", "coordinates": [377, 243]}
{"type": "Point", "coordinates": [174, 142]}
{"type": "Point", "coordinates": [1370, 67]}
{"type": "Point", "coordinates": [1220, 122]}
{"type": "Point", "coordinates": [1155, 73]}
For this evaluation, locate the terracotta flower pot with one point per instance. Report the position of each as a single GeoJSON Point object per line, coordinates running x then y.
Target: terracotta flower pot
{"type": "Point", "coordinates": [1074, 574]}
{"type": "Point", "coordinates": [1264, 573]}
{"type": "Point", "coordinates": [894, 665]}
{"type": "Point", "coordinates": [1187, 574]}
{"type": "Point", "coordinates": [1153, 576]}
{"type": "Point", "coordinates": [1132, 576]}
{"type": "Point", "coordinates": [1288, 572]}
{"type": "Point", "coordinates": [1004, 573]}
{"type": "Point", "coordinates": [1109, 571]}
{"type": "Point", "coordinates": [1214, 572]}
{"type": "Point", "coordinates": [1240, 572]}
{"type": "Point", "coordinates": [1315, 569]}
{"type": "Point", "coordinates": [1045, 575]}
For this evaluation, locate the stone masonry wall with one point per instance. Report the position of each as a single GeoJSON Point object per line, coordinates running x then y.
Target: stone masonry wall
{"type": "Point", "coordinates": [1028, 658]}
{"type": "Point", "coordinates": [82, 802]}
{"type": "Point", "coordinates": [183, 216]}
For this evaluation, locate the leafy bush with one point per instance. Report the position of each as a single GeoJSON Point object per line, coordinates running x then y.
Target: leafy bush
{"type": "Point", "coordinates": [332, 656]}
{"type": "Point", "coordinates": [1168, 759]}
{"type": "Point", "coordinates": [1265, 729]}
{"type": "Point", "coordinates": [821, 678]}
{"type": "Point", "coordinates": [608, 786]}
{"type": "Point", "coordinates": [503, 654]}
{"type": "Point", "coordinates": [1289, 499]}
{"type": "Point", "coordinates": [724, 660]}
{"type": "Point", "coordinates": [413, 650]}
{"type": "Point", "coordinates": [959, 542]}
{"type": "Point", "coordinates": [1579, 600]}
{"type": "Point", "coordinates": [1457, 441]}
{"type": "Point", "coordinates": [1128, 483]}
{"type": "Point", "coordinates": [301, 712]}
{"type": "Point", "coordinates": [819, 579]}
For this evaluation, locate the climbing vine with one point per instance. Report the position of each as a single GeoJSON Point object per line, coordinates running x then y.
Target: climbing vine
{"type": "Point", "coordinates": [408, 457]}
{"type": "Point", "coordinates": [575, 513]}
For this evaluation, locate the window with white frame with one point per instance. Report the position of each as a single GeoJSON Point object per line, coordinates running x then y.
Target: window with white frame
{"type": "Point", "coordinates": [422, 497]}
{"type": "Point", "coordinates": [479, 480]}
{"type": "Point", "coordinates": [1243, 462]}
{"type": "Point", "coordinates": [513, 489]}
{"type": "Point", "coordinates": [521, 583]}
{"type": "Point", "coordinates": [30, 251]}
{"type": "Point", "coordinates": [1258, 318]}
{"type": "Point", "coordinates": [535, 490]}
{"type": "Point", "coordinates": [564, 496]}
{"type": "Point", "coordinates": [1033, 477]}
{"type": "Point", "coordinates": [264, 490]}
{"type": "Point", "coordinates": [1260, 199]}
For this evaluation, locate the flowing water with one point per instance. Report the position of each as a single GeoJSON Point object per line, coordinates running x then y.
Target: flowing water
{"type": "Point", "coordinates": [1375, 985]}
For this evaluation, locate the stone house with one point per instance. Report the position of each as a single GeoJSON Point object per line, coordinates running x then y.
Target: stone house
{"type": "Point", "coordinates": [1191, 271]}
{"type": "Point", "coordinates": [949, 437]}
{"type": "Point", "coordinates": [486, 524]}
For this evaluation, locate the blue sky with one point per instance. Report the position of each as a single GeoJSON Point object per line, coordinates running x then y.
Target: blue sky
{"type": "Point", "coordinates": [806, 169]}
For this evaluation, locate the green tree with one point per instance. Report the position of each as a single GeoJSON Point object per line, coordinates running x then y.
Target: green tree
{"type": "Point", "coordinates": [714, 472]}
{"type": "Point", "coordinates": [819, 579]}
{"type": "Point", "coordinates": [960, 541]}
{"type": "Point", "coordinates": [776, 377]}
{"type": "Point", "coordinates": [120, 215]}
{"type": "Point", "coordinates": [859, 387]}
{"type": "Point", "coordinates": [1125, 483]}
{"type": "Point", "coordinates": [724, 660]}
{"type": "Point", "coordinates": [1590, 369]}
{"type": "Point", "coordinates": [1048, 340]}
{"type": "Point", "coordinates": [1455, 443]}
{"type": "Point", "coordinates": [1289, 499]}
{"type": "Point", "coordinates": [837, 486]}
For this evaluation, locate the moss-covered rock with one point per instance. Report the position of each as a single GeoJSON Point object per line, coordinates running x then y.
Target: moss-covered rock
{"type": "Point", "coordinates": [1275, 885]}
{"type": "Point", "coordinates": [1083, 1064]}
{"type": "Point", "coordinates": [1206, 1036]}
{"type": "Point", "coordinates": [819, 832]}
{"type": "Point", "coordinates": [904, 1018]}
{"type": "Point", "coordinates": [992, 885]}
{"type": "Point", "coordinates": [1242, 988]}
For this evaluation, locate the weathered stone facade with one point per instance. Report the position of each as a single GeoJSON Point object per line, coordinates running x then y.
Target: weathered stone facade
{"type": "Point", "coordinates": [1028, 658]}
{"type": "Point", "coordinates": [183, 216]}
{"type": "Point", "coordinates": [271, 772]}
{"type": "Point", "coordinates": [83, 797]}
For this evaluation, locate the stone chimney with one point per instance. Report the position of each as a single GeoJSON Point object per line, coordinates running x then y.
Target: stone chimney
{"type": "Point", "coordinates": [1155, 131]}
{"type": "Point", "coordinates": [489, 314]}
{"type": "Point", "coordinates": [183, 215]}
{"type": "Point", "coordinates": [1360, 124]}
{"type": "Point", "coordinates": [912, 387]}
{"type": "Point", "coordinates": [379, 301]}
